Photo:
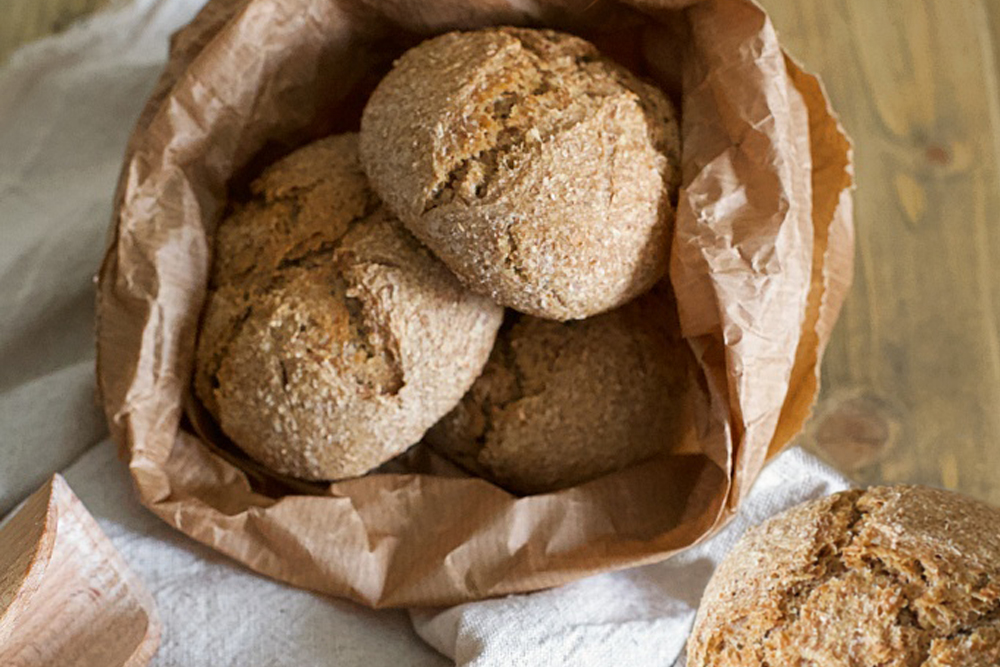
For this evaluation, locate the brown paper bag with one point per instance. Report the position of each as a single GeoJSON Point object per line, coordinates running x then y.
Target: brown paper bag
{"type": "Point", "coordinates": [761, 264]}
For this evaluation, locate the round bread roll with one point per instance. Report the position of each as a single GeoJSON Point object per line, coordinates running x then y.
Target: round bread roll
{"type": "Point", "coordinates": [893, 576]}
{"type": "Point", "coordinates": [562, 403]}
{"type": "Point", "coordinates": [540, 172]}
{"type": "Point", "coordinates": [332, 340]}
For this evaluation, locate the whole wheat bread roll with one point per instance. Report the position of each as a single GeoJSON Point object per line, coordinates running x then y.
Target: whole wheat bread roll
{"type": "Point", "coordinates": [893, 576]}
{"type": "Point", "coordinates": [332, 340]}
{"type": "Point", "coordinates": [560, 403]}
{"type": "Point", "coordinates": [540, 172]}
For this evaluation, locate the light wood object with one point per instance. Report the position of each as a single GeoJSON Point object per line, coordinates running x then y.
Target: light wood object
{"type": "Point", "coordinates": [912, 378]}
{"type": "Point", "coordinates": [67, 598]}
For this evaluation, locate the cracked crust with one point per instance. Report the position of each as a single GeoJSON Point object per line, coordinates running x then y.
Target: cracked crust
{"type": "Point", "coordinates": [562, 403]}
{"type": "Point", "coordinates": [331, 340]}
{"type": "Point", "coordinates": [891, 577]}
{"type": "Point", "coordinates": [540, 172]}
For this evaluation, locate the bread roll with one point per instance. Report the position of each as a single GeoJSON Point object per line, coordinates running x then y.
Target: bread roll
{"type": "Point", "coordinates": [332, 340]}
{"type": "Point", "coordinates": [562, 403]}
{"type": "Point", "coordinates": [540, 172]}
{"type": "Point", "coordinates": [896, 576]}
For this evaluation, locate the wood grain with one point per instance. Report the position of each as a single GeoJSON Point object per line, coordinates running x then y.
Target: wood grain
{"type": "Point", "coordinates": [912, 377]}
{"type": "Point", "coordinates": [67, 597]}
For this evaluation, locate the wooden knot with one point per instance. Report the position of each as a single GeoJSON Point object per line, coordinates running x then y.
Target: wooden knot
{"type": "Point", "coordinates": [854, 431]}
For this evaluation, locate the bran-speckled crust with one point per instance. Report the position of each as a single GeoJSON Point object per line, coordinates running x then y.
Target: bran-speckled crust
{"type": "Point", "coordinates": [332, 340]}
{"type": "Point", "coordinates": [560, 403]}
{"type": "Point", "coordinates": [899, 576]}
{"type": "Point", "coordinates": [540, 172]}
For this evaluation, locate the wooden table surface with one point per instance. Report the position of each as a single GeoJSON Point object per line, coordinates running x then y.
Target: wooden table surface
{"type": "Point", "coordinates": [912, 376]}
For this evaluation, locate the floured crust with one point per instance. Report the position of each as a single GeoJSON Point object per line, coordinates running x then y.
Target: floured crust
{"type": "Point", "coordinates": [540, 172]}
{"type": "Point", "coordinates": [892, 576]}
{"type": "Point", "coordinates": [562, 403]}
{"type": "Point", "coordinates": [332, 340]}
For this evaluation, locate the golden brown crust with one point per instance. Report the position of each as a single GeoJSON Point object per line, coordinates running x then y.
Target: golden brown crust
{"type": "Point", "coordinates": [332, 340]}
{"type": "Point", "coordinates": [893, 576]}
{"type": "Point", "coordinates": [540, 172]}
{"type": "Point", "coordinates": [561, 403]}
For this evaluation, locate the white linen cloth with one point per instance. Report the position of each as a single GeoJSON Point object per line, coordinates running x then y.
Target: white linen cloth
{"type": "Point", "coordinates": [67, 105]}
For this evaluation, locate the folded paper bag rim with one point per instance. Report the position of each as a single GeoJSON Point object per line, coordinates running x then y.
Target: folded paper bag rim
{"type": "Point", "coordinates": [761, 262]}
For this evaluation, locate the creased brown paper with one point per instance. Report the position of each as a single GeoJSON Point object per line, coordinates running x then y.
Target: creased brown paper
{"type": "Point", "coordinates": [761, 264]}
